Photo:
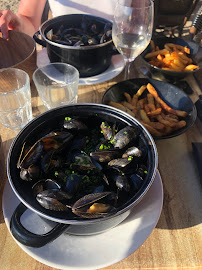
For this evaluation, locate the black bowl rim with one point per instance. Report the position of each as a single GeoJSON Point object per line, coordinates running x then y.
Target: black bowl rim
{"type": "Point", "coordinates": [88, 221]}
{"type": "Point", "coordinates": [170, 72]}
{"type": "Point", "coordinates": [180, 131]}
{"type": "Point", "coordinates": [62, 17]}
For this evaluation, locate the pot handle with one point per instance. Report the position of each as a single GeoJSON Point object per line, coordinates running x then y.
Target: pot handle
{"type": "Point", "coordinates": [28, 238]}
{"type": "Point", "coordinates": [38, 40]}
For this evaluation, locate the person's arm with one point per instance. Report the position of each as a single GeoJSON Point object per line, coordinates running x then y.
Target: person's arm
{"type": "Point", "coordinates": [27, 19]}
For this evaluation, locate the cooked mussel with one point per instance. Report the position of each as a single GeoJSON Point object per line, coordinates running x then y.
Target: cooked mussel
{"type": "Point", "coordinates": [90, 206]}
{"type": "Point", "coordinates": [44, 184]}
{"type": "Point", "coordinates": [52, 199]}
{"type": "Point", "coordinates": [33, 172]}
{"type": "Point", "coordinates": [125, 136]}
{"type": "Point", "coordinates": [105, 155]}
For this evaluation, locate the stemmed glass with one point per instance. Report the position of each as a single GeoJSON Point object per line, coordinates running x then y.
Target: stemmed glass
{"type": "Point", "coordinates": [132, 28]}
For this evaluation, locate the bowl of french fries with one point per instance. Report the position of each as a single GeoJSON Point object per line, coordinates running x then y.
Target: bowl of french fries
{"type": "Point", "coordinates": [162, 108]}
{"type": "Point", "coordinates": [174, 57]}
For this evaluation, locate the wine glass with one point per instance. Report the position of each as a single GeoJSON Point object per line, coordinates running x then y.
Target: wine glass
{"type": "Point", "coordinates": [132, 28]}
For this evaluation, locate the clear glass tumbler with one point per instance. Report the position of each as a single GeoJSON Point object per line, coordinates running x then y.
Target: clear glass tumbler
{"type": "Point", "coordinates": [15, 98]}
{"type": "Point", "coordinates": [57, 84]}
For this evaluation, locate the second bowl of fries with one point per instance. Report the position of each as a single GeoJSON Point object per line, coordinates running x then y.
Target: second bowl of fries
{"type": "Point", "coordinates": [174, 57]}
{"type": "Point", "coordinates": [162, 108]}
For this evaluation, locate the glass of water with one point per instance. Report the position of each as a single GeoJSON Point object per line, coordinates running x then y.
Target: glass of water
{"type": "Point", "coordinates": [15, 98]}
{"type": "Point", "coordinates": [132, 28]}
{"type": "Point", "coordinates": [57, 84]}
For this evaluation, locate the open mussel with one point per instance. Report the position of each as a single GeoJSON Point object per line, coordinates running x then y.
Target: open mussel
{"type": "Point", "coordinates": [52, 199]}
{"type": "Point", "coordinates": [90, 206]}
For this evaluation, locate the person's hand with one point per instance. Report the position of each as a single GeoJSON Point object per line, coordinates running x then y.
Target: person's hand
{"type": "Point", "coordinates": [8, 21]}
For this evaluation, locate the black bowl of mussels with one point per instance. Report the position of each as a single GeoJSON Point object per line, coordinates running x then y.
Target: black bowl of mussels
{"type": "Point", "coordinates": [81, 40]}
{"type": "Point", "coordinates": [82, 168]}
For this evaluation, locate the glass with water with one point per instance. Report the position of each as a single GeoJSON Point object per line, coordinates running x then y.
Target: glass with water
{"type": "Point", "coordinates": [57, 84]}
{"type": "Point", "coordinates": [15, 98]}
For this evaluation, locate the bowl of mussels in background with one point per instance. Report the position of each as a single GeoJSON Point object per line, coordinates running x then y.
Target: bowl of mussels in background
{"type": "Point", "coordinates": [82, 168]}
{"type": "Point", "coordinates": [81, 40]}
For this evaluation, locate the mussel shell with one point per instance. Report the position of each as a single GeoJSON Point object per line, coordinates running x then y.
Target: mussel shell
{"type": "Point", "coordinates": [107, 130]}
{"type": "Point", "coordinates": [81, 206]}
{"type": "Point", "coordinates": [117, 179]}
{"type": "Point", "coordinates": [132, 151]}
{"type": "Point", "coordinates": [32, 173]}
{"type": "Point", "coordinates": [120, 162]}
{"type": "Point", "coordinates": [104, 156]}
{"type": "Point", "coordinates": [51, 200]}
{"type": "Point", "coordinates": [32, 155]}
{"type": "Point", "coordinates": [44, 184]}
{"type": "Point", "coordinates": [125, 136]}
{"type": "Point", "coordinates": [72, 124]}
{"type": "Point", "coordinates": [136, 181]}
{"type": "Point", "coordinates": [81, 161]}
{"type": "Point", "coordinates": [89, 199]}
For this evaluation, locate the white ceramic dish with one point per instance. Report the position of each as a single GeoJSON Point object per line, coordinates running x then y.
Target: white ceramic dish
{"type": "Point", "coordinates": [117, 65]}
{"type": "Point", "coordinates": [71, 252]}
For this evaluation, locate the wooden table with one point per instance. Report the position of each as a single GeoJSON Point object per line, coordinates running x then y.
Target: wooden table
{"type": "Point", "coordinates": [176, 242]}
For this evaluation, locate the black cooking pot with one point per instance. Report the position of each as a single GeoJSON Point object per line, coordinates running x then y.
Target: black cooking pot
{"type": "Point", "coordinates": [195, 54]}
{"type": "Point", "coordinates": [89, 60]}
{"type": "Point", "coordinates": [43, 124]}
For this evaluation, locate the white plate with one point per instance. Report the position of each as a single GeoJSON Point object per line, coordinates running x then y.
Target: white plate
{"type": "Point", "coordinates": [91, 252]}
{"type": "Point", "coordinates": [117, 65]}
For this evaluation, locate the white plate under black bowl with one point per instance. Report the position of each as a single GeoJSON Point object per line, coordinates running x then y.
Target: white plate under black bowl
{"type": "Point", "coordinates": [72, 252]}
{"type": "Point", "coordinates": [116, 67]}
{"type": "Point", "coordinates": [169, 93]}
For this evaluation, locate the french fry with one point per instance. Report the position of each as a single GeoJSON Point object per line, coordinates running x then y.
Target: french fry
{"type": "Point", "coordinates": [191, 67]}
{"type": "Point", "coordinates": [180, 124]}
{"type": "Point", "coordinates": [134, 100]}
{"type": "Point", "coordinates": [155, 112]}
{"type": "Point", "coordinates": [127, 105]}
{"type": "Point", "coordinates": [144, 116]}
{"type": "Point", "coordinates": [141, 90]}
{"type": "Point", "coordinates": [121, 107]}
{"type": "Point", "coordinates": [128, 97]}
{"type": "Point", "coordinates": [152, 130]}
{"type": "Point", "coordinates": [172, 57]}
{"type": "Point", "coordinates": [165, 122]}
{"type": "Point", "coordinates": [157, 125]}
{"type": "Point", "coordinates": [146, 108]}
{"type": "Point", "coordinates": [169, 117]}
{"type": "Point", "coordinates": [152, 54]}
{"type": "Point", "coordinates": [157, 117]}
{"type": "Point", "coordinates": [141, 103]}
{"type": "Point", "coordinates": [153, 91]}
{"type": "Point", "coordinates": [151, 104]}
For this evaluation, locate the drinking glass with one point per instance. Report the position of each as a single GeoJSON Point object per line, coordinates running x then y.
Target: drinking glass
{"type": "Point", "coordinates": [132, 28]}
{"type": "Point", "coordinates": [15, 98]}
{"type": "Point", "coordinates": [57, 84]}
